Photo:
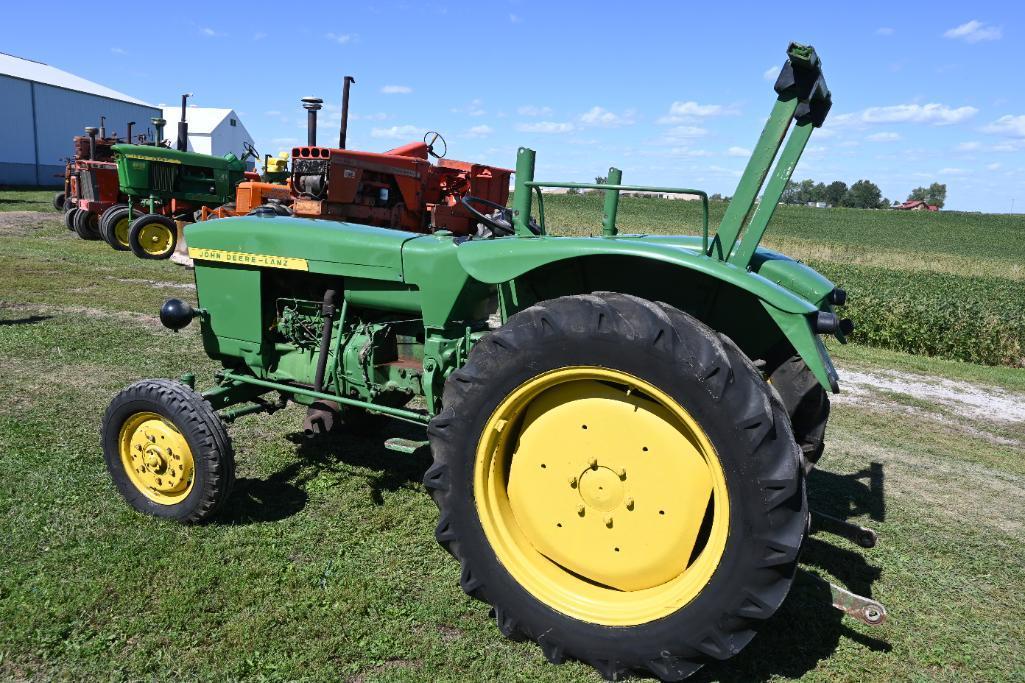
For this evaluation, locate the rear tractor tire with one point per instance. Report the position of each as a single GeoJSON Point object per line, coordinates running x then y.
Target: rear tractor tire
{"type": "Point", "coordinates": [86, 224]}
{"type": "Point", "coordinates": [612, 510]}
{"type": "Point", "coordinates": [167, 451]}
{"type": "Point", "coordinates": [807, 404]}
{"type": "Point", "coordinates": [114, 225]}
{"type": "Point", "coordinates": [152, 236]}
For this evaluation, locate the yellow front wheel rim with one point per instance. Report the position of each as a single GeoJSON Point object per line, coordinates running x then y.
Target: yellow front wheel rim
{"type": "Point", "coordinates": [121, 231]}
{"type": "Point", "coordinates": [155, 239]}
{"type": "Point", "coordinates": [156, 458]}
{"type": "Point", "coordinates": [601, 495]}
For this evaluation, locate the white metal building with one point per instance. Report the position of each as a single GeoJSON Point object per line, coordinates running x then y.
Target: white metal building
{"type": "Point", "coordinates": [211, 131]}
{"type": "Point", "coordinates": [42, 108]}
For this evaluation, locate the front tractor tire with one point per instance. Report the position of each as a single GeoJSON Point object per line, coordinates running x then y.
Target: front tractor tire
{"type": "Point", "coordinates": [58, 201]}
{"type": "Point", "coordinates": [620, 484]}
{"type": "Point", "coordinates": [167, 451]}
{"type": "Point", "coordinates": [86, 224]}
{"type": "Point", "coordinates": [152, 236]}
{"type": "Point", "coordinates": [807, 404]}
{"type": "Point", "coordinates": [114, 225]}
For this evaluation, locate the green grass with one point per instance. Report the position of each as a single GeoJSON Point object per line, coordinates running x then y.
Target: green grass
{"type": "Point", "coordinates": [324, 566]}
{"type": "Point", "coordinates": [14, 199]}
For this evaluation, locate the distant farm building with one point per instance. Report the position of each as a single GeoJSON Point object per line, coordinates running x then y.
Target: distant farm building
{"type": "Point", "coordinates": [916, 205]}
{"type": "Point", "coordinates": [211, 131]}
{"type": "Point", "coordinates": [44, 108]}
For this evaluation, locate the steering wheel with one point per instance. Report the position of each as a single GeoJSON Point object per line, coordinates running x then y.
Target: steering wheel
{"type": "Point", "coordinates": [250, 151]}
{"type": "Point", "coordinates": [500, 229]}
{"type": "Point", "coordinates": [435, 136]}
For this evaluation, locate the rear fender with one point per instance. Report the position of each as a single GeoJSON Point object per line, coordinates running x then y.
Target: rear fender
{"type": "Point", "coordinates": [504, 260]}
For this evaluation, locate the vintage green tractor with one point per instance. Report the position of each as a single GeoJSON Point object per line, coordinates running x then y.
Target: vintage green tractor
{"type": "Point", "coordinates": [169, 185]}
{"type": "Point", "coordinates": [620, 424]}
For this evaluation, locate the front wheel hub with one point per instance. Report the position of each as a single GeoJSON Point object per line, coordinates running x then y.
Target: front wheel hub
{"type": "Point", "coordinates": [157, 458]}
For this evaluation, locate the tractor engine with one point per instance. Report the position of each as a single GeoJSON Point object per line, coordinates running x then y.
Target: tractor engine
{"type": "Point", "coordinates": [398, 189]}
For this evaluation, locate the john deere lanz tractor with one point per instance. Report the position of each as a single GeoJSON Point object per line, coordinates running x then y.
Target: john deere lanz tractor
{"type": "Point", "coordinates": [620, 424]}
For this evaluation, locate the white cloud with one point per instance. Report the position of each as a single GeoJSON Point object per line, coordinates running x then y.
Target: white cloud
{"type": "Point", "coordinates": [933, 113]}
{"type": "Point", "coordinates": [679, 132]}
{"type": "Point", "coordinates": [967, 146]}
{"type": "Point", "coordinates": [883, 137]}
{"type": "Point", "coordinates": [395, 132]}
{"type": "Point", "coordinates": [341, 38]}
{"type": "Point", "coordinates": [884, 31]}
{"type": "Point", "coordinates": [378, 116]}
{"type": "Point", "coordinates": [118, 51]}
{"type": "Point", "coordinates": [597, 116]}
{"type": "Point", "coordinates": [210, 33]}
{"type": "Point", "coordinates": [480, 131]}
{"type": "Point", "coordinates": [260, 35]}
{"type": "Point", "coordinates": [396, 90]}
{"type": "Point", "coordinates": [952, 171]}
{"type": "Point", "coordinates": [771, 74]}
{"type": "Point", "coordinates": [738, 152]}
{"type": "Point", "coordinates": [272, 112]}
{"type": "Point", "coordinates": [474, 108]}
{"type": "Point", "coordinates": [515, 18]}
{"type": "Point", "coordinates": [682, 112]}
{"type": "Point", "coordinates": [993, 167]}
{"type": "Point", "coordinates": [531, 110]}
{"type": "Point", "coordinates": [1013, 126]}
{"type": "Point", "coordinates": [545, 127]}
{"type": "Point", "coordinates": [974, 31]}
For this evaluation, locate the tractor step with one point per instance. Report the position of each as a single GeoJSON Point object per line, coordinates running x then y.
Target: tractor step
{"type": "Point", "coordinates": [863, 536]}
{"type": "Point", "coordinates": [407, 446]}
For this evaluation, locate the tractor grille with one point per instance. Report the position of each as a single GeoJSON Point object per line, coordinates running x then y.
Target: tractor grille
{"type": "Point", "coordinates": [87, 186]}
{"type": "Point", "coordinates": [162, 176]}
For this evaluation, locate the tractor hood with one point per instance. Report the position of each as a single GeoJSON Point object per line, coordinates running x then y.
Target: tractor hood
{"type": "Point", "coordinates": [172, 156]}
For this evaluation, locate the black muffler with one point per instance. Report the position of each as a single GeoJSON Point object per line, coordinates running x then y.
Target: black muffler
{"type": "Point", "coordinates": [91, 131]}
{"type": "Point", "coordinates": [183, 127]}
{"type": "Point", "coordinates": [312, 105]}
{"type": "Point", "coordinates": [349, 80]}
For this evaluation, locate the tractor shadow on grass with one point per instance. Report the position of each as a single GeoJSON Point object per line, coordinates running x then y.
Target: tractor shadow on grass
{"type": "Point", "coordinates": [283, 493]}
{"type": "Point", "coordinates": [807, 629]}
{"type": "Point", "coordinates": [30, 320]}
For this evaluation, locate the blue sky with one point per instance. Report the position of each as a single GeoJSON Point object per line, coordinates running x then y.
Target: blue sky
{"type": "Point", "coordinates": [672, 93]}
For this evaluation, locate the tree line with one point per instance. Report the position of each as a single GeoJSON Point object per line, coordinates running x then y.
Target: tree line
{"type": "Point", "coordinates": [864, 194]}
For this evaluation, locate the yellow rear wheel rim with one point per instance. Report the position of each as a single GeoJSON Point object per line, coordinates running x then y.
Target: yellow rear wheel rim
{"type": "Point", "coordinates": [156, 458]}
{"type": "Point", "coordinates": [121, 231]}
{"type": "Point", "coordinates": [155, 239]}
{"type": "Point", "coordinates": [601, 496]}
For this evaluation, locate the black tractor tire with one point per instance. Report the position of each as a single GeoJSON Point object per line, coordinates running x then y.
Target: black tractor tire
{"type": "Point", "coordinates": [86, 224]}
{"type": "Point", "coordinates": [152, 236]}
{"type": "Point", "coordinates": [114, 234]}
{"type": "Point", "coordinates": [807, 404]}
{"type": "Point", "coordinates": [185, 412]}
{"type": "Point", "coordinates": [69, 217]}
{"type": "Point", "coordinates": [58, 201]}
{"type": "Point", "coordinates": [700, 370]}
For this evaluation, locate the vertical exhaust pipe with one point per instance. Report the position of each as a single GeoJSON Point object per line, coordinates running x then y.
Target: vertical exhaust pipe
{"type": "Point", "coordinates": [312, 105]}
{"type": "Point", "coordinates": [91, 132]}
{"type": "Point", "coordinates": [183, 127]}
{"type": "Point", "coordinates": [129, 134]}
{"type": "Point", "coordinates": [158, 125]}
{"type": "Point", "coordinates": [349, 80]}
{"type": "Point", "coordinates": [103, 127]}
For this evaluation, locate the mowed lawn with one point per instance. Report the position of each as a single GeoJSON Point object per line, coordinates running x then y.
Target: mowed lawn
{"type": "Point", "coordinates": [324, 567]}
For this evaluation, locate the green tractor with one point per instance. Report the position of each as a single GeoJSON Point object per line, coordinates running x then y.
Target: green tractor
{"type": "Point", "coordinates": [620, 425]}
{"type": "Point", "coordinates": [165, 185]}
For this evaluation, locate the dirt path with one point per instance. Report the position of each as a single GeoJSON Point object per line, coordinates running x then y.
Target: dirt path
{"type": "Point", "coordinates": [977, 401]}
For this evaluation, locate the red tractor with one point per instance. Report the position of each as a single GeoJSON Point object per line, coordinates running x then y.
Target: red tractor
{"type": "Point", "coordinates": [91, 187]}
{"type": "Point", "coordinates": [399, 189]}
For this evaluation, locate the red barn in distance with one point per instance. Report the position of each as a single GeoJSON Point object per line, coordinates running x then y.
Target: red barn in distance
{"type": "Point", "coordinates": [916, 205]}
